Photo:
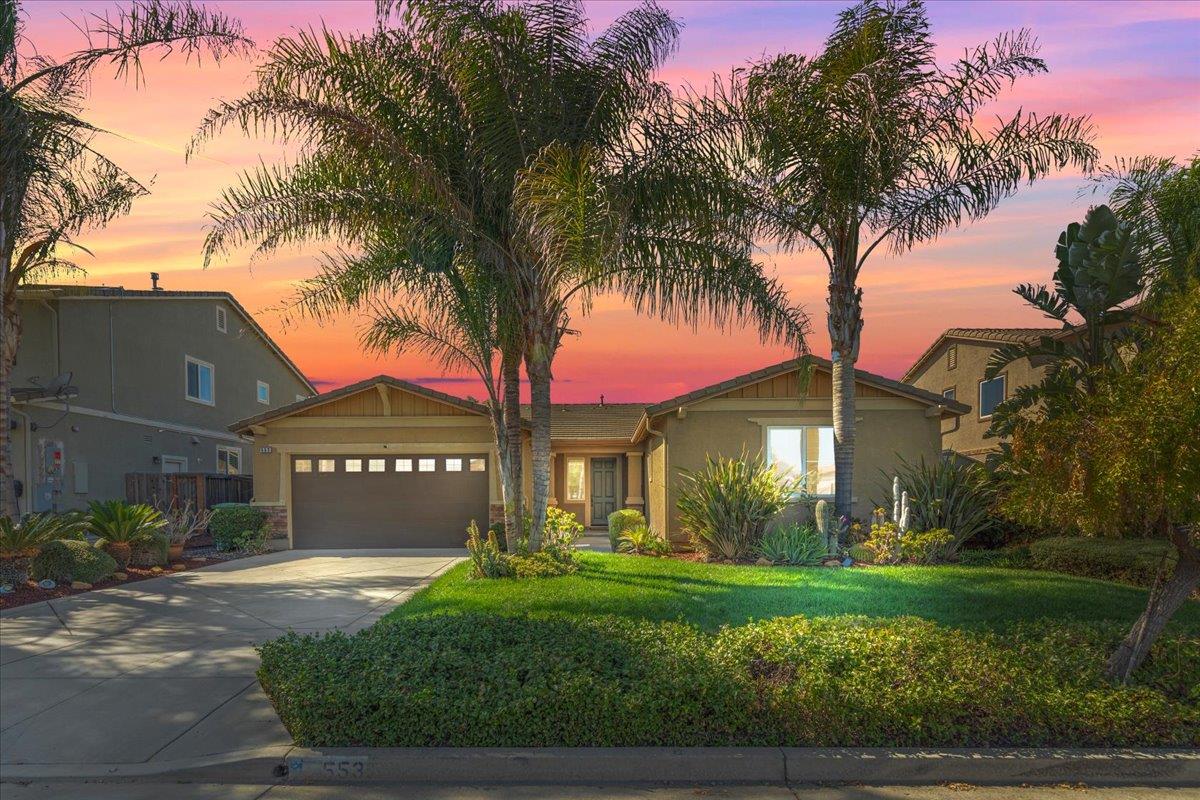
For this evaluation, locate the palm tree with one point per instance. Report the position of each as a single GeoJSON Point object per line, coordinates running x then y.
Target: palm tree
{"type": "Point", "coordinates": [53, 183]}
{"type": "Point", "coordinates": [873, 144]}
{"type": "Point", "coordinates": [502, 137]}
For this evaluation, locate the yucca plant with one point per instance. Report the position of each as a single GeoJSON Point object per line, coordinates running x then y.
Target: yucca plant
{"type": "Point", "coordinates": [946, 494]}
{"type": "Point", "coordinates": [120, 525]}
{"type": "Point", "coordinates": [726, 506]}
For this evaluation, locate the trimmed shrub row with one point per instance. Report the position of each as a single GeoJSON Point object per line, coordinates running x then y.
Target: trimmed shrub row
{"type": "Point", "coordinates": [1133, 561]}
{"type": "Point", "coordinates": [66, 560]}
{"type": "Point", "coordinates": [482, 680]}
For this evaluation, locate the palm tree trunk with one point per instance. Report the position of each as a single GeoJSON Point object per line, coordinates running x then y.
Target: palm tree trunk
{"type": "Point", "coordinates": [514, 492]}
{"type": "Point", "coordinates": [845, 328]}
{"type": "Point", "coordinates": [537, 366]}
{"type": "Point", "coordinates": [1166, 598]}
{"type": "Point", "coordinates": [10, 338]}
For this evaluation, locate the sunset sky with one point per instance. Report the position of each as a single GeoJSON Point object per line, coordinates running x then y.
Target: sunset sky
{"type": "Point", "coordinates": [1134, 67]}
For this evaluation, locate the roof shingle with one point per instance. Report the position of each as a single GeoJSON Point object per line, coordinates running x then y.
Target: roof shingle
{"type": "Point", "coordinates": [592, 420]}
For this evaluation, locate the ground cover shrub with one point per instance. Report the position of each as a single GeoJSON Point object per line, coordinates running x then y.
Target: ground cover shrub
{"type": "Point", "coordinates": [150, 552]}
{"type": "Point", "coordinates": [795, 545]}
{"type": "Point", "coordinates": [66, 560]}
{"type": "Point", "coordinates": [1013, 557]}
{"type": "Point", "coordinates": [887, 544]}
{"type": "Point", "coordinates": [488, 680]}
{"type": "Point", "coordinates": [542, 564]}
{"type": "Point", "coordinates": [726, 506]}
{"type": "Point", "coordinates": [642, 540]}
{"type": "Point", "coordinates": [622, 520]}
{"type": "Point", "coordinates": [1135, 561]}
{"type": "Point", "coordinates": [238, 527]}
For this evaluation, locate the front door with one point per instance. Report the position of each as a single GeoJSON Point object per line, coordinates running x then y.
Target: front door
{"type": "Point", "coordinates": [604, 489]}
{"type": "Point", "coordinates": [173, 464]}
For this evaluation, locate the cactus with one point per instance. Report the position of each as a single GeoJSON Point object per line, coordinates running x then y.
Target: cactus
{"type": "Point", "coordinates": [899, 506]}
{"type": "Point", "coordinates": [902, 523]}
{"type": "Point", "coordinates": [823, 515]}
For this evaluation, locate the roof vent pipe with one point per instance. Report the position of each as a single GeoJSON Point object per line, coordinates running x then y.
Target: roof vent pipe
{"type": "Point", "coordinates": [602, 401]}
{"type": "Point", "coordinates": [154, 282]}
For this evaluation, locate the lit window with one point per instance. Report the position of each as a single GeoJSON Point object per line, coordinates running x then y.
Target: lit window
{"type": "Point", "coordinates": [453, 465]}
{"type": "Point", "coordinates": [264, 393]}
{"type": "Point", "coordinates": [353, 465]}
{"type": "Point", "coordinates": [229, 460]}
{"type": "Point", "coordinates": [805, 453]}
{"type": "Point", "coordinates": [952, 356]}
{"type": "Point", "coordinates": [199, 380]}
{"type": "Point", "coordinates": [221, 324]}
{"type": "Point", "coordinates": [478, 464]}
{"type": "Point", "coordinates": [991, 394]}
{"type": "Point", "coordinates": [303, 465]}
{"type": "Point", "coordinates": [950, 393]}
{"type": "Point", "coordinates": [325, 465]}
{"type": "Point", "coordinates": [403, 465]}
{"type": "Point", "coordinates": [575, 480]}
{"type": "Point", "coordinates": [426, 464]}
{"type": "Point", "coordinates": [377, 465]}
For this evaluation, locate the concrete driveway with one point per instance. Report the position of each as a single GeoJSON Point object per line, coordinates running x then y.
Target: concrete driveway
{"type": "Point", "coordinates": [163, 670]}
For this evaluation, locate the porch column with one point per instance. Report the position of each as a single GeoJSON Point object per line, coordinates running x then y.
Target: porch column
{"type": "Point", "coordinates": [633, 463]}
{"type": "Point", "coordinates": [553, 500]}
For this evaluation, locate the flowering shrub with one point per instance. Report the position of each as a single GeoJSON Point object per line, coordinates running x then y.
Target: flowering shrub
{"type": "Point", "coordinates": [887, 544]}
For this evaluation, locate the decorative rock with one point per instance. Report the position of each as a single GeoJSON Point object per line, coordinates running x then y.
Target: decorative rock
{"type": "Point", "coordinates": [6, 589]}
{"type": "Point", "coordinates": [764, 562]}
{"type": "Point", "coordinates": [847, 562]}
{"type": "Point", "coordinates": [80, 585]}
{"type": "Point", "coordinates": [831, 562]}
{"type": "Point", "coordinates": [178, 567]}
{"type": "Point", "coordinates": [46, 584]}
{"type": "Point", "coordinates": [156, 570]}
{"type": "Point", "coordinates": [120, 576]}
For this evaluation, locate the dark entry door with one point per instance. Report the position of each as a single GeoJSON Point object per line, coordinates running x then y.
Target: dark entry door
{"type": "Point", "coordinates": [604, 489]}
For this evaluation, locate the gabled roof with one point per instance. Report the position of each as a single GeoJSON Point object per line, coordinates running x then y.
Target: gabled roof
{"type": "Point", "coordinates": [593, 420]}
{"type": "Point", "coordinates": [998, 335]}
{"type": "Point", "coordinates": [67, 292]}
{"type": "Point", "coordinates": [244, 425]}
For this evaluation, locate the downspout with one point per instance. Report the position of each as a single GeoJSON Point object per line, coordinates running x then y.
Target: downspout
{"type": "Point", "coordinates": [112, 361]}
{"type": "Point", "coordinates": [27, 435]}
{"type": "Point", "coordinates": [646, 476]}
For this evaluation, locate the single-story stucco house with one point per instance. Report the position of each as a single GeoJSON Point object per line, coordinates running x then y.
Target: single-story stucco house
{"type": "Point", "coordinates": [388, 463]}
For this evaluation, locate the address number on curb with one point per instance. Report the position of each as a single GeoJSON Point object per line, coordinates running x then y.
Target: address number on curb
{"type": "Point", "coordinates": [325, 769]}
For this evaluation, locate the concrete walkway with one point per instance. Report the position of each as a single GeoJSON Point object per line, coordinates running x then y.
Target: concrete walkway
{"type": "Point", "coordinates": [163, 669]}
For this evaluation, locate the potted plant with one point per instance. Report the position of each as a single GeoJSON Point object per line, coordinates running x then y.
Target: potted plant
{"type": "Point", "coordinates": [183, 524]}
{"type": "Point", "coordinates": [120, 525]}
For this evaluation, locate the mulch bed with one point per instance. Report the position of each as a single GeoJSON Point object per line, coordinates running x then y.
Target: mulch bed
{"type": "Point", "coordinates": [30, 592]}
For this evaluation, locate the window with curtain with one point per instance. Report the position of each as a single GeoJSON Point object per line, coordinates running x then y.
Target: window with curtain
{"type": "Point", "coordinates": [804, 452]}
{"type": "Point", "coordinates": [575, 480]}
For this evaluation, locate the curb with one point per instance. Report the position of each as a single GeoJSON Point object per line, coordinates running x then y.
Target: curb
{"type": "Point", "coordinates": [652, 765]}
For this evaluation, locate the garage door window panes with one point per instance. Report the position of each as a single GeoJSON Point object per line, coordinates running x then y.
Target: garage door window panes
{"type": "Point", "coordinates": [403, 465]}
{"type": "Point", "coordinates": [303, 465]}
{"type": "Point", "coordinates": [426, 464]}
{"type": "Point", "coordinates": [353, 465]}
{"type": "Point", "coordinates": [377, 465]}
{"type": "Point", "coordinates": [326, 465]}
{"type": "Point", "coordinates": [453, 465]}
{"type": "Point", "coordinates": [478, 465]}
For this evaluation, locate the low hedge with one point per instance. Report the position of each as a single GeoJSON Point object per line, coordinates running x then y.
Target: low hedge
{"type": "Point", "coordinates": [1133, 561]}
{"type": "Point", "coordinates": [481, 680]}
{"type": "Point", "coordinates": [66, 560]}
{"type": "Point", "coordinates": [233, 525]}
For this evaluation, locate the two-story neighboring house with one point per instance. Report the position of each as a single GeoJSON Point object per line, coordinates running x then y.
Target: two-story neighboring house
{"type": "Point", "coordinates": [110, 381]}
{"type": "Point", "coordinates": [953, 367]}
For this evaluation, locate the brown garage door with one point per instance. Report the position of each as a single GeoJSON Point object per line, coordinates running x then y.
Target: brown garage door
{"type": "Point", "coordinates": [387, 501]}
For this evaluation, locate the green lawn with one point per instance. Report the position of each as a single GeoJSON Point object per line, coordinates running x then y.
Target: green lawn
{"type": "Point", "coordinates": [710, 595]}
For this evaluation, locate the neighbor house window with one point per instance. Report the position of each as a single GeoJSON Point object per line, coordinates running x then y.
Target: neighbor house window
{"type": "Point", "coordinates": [453, 465]}
{"type": "Point", "coordinates": [403, 465]}
{"type": "Point", "coordinates": [263, 393]}
{"type": "Point", "coordinates": [575, 480]}
{"type": "Point", "coordinates": [991, 394]}
{"type": "Point", "coordinates": [326, 465]}
{"type": "Point", "coordinates": [806, 453]}
{"type": "Point", "coordinates": [353, 465]}
{"type": "Point", "coordinates": [199, 381]}
{"type": "Point", "coordinates": [426, 464]}
{"type": "Point", "coordinates": [952, 356]}
{"type": "Point", "coordinates": [229, 460]}
{"type": "Point", "coordinates": [377, 465]}
{"type": "Point", "coordinates": [221, 322]}
{"type": "Point", "coordinates": [303, 465]}
{"type": "Point", "coordinates": [478, 465]}
{"type": "Point", "coordinates": [950, 393]}
{"type": "Point", "coordinates": [300, 397]}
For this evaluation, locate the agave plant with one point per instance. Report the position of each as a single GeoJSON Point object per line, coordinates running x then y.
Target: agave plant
{"type": "Point", "coordinates": [120, 525]}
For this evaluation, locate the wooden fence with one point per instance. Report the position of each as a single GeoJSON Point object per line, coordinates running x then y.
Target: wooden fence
{"type": "Point", "coordinates": [201, 489]}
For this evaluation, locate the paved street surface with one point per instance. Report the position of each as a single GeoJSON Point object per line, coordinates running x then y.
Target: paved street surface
{"type": "Point", "coordinates": [164, 669]}
{"type": "Point", "coordinates": [58, 791]}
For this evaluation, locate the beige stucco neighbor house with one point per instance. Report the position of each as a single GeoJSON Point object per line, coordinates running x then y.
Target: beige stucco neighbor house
{"type": "Point", "coordinates": [387, 463]}
{"type": "Point", "coordinates": [953, 367]}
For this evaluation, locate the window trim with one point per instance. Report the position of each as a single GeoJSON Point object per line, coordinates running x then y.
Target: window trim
{"type": "Point", "coordinates": [1003, 376]}
{"type": "Point", "coordinates": [222, 319]}
{"type": "Point", "coordinates": [258, 387]}
{"type": "Point", "coordinates": [953, 389]}
{"type": "Point", "coordinates": [411, 466]}
{"type": "Point", "coordinates": [189, 360]}
{"type": "Point", "coordinates": [453, 459]}
{"type": "Point", "coordinates": [803, 448]}
{"type": "Point", "coordinates": [228, 449]}
{"type": "Point", "coordinates": [421, 464]}
{"type": "Point", "coordinates": [583, 482]}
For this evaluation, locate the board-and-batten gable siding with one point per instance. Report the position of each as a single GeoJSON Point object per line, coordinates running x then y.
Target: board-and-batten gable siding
{"type": "Point", "coordinates": [369, 403]}
{"type": "Point", "coordinates": [787, 386]}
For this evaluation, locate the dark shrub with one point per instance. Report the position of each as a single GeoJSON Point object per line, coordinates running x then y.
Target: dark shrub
{"type": "Point", "coordinates": [236, 526]}
{"type": "Point", "coordinates": [66, 560]}
{"type": "Point", "coordinates": [1013, 557]}
{"type": "Point", "coordinates": [482, 680]}
{"type": "Point", "coordinates": [151, 552]}
{"type": "Point", "coordinates": [623, 520]}
{"type": "Point", "coordinates": [1133, 561]}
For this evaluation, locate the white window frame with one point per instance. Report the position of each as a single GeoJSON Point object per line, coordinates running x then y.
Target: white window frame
{"type": "Point", "coordinates": [357, 462]}
{"type": "Point", "coordinates": [188, 361]}
{"type": "Point", "coordinates": [222, 319]}
{"type": "Point", "coordinates": [454, 464]}
{"type": "Point", "coordinates": [372, 463]}
{"type": "Point", "coordinates": [804, 429]}
{"type": "Point", "coordinates": [258, 390]}
{"type": "Point", "coordinates": [307, 462]}
{"type": "Point", "coordinates": [583, 480]}
{"type": "Point", "coordinates": [1003, 378]}
{"type": "Point", "coordinates": [950, 393]}
{"type": "Point", "coordinates": [404, 465]}
{"type": "Point", "coordinates": [228, 451]}
{"type": "Point", "coordinates": [421, 462]}
{"type": "Point", "coordinates": [321, 462]}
